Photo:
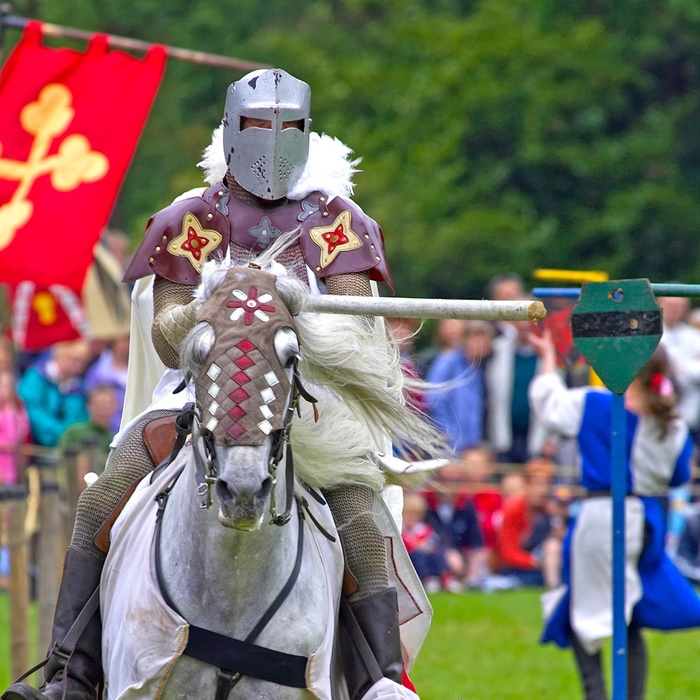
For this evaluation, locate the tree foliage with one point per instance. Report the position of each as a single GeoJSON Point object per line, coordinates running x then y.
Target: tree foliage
{"type": "Point", "coordinates": [495, 136]}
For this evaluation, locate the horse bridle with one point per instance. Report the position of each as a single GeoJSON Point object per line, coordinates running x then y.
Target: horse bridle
{"type": "Point", "coordinates": [207, 470]}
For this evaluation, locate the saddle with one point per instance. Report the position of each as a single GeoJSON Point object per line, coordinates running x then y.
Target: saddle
{"type": "Point", "coordinates": [159, 436]}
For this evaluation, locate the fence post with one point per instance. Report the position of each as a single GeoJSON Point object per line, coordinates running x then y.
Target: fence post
{"type": "Point", "coordinates": [49, 556]}
{"type": "Point", "coordinates": [18, 584]}
{"type": "Point", "coordinates": [72, 481]}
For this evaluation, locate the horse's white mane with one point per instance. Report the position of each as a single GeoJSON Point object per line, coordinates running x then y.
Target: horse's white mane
{"type": "Point", "coordinates": [354, 371]}
{"type": "Point", "coordinates": [329, 169]}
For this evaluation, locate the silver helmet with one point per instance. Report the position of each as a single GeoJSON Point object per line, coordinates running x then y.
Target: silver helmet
{"type": "Point", "coordinates": [267, 161]}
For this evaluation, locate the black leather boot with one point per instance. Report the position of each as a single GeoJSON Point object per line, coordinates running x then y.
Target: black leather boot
{"type": "Point", "coordinates": [370, 647]}
{"type": "Point", "coordinates": [80, 675]}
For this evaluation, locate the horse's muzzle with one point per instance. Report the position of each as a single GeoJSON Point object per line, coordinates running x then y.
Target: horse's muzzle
{"type": "Point", "coordinates": [241, 507]}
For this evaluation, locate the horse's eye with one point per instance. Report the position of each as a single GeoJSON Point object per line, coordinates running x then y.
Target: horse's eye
{"type": "Point", "coordinates": [291, 360]}
{"type": "Point", "coordinates": [204, 345]}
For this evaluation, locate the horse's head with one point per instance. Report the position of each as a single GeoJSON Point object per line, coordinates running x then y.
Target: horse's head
{"type": "Point", "coordinates": [242, 355]}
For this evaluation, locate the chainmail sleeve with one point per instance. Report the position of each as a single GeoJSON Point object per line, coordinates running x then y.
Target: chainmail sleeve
{"type": "Point", "coordinates": [167, 294]}
{"type": "Point", "coordinates": [352, 284]}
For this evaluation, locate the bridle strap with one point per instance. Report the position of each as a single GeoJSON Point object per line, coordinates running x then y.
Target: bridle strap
{"type": "Point", "coordinates": [286, 589]}
{"type": "Point", "coordinates": [244, 656]}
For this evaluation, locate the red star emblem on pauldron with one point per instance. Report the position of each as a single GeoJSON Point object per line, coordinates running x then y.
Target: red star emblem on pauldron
{"type": "Point", "coordinates": [194, 244]}
{"type": "Point", "coordinates": [335, 238]}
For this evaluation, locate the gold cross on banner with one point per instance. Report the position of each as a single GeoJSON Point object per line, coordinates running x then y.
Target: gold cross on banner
{"type": "Point", "coordinates": [75, 162]}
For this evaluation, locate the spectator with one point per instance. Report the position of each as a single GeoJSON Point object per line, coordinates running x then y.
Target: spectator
{"type": "Point", "coordinates": [529, 548]}
{"type": "Point", "coordinates": [95, 432]}
{"type": "Point", "coordinates": [111, 368]}
{"type": "Point", "coordinates": [7, 360]}
{"type": "Point", "coordinates": [448, 334]}
{"type": "Point", "coordinates": [512, 484]}
{"type": "Point", "coordinates": [657, 455]}
{"type": "Point", "coordinates": [457, 404]}
{"type": "Point", "coordinates": [682, 344]}
{"type": "Point", "coordinates": [14, 429]}
{"type": "Point", "coordinates": [486, 497]}
{"type": "Point", "coordinates": [452, 515]}
{"type": "Point", "coordinates": [52, 390]}
{"type": "Point", "coordinates": [512, 431]}
{"type": "Point", "coordinates": [508, 286]}
{"type": "Point", "coordinates": [424, 547]}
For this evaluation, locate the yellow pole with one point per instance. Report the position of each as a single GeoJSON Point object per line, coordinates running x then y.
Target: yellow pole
{"type": "Point", "coordinates": [577, 277]}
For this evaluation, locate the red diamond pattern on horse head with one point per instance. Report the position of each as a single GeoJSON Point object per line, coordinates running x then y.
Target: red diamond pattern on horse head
{"type": "Point", "coordinates": [245, 345]}
{"type": "Point", "coordinates": [239, 395]}
{"type": "Point", "coordinates": [237, 413]}
{"type": "Point", "coordinates": [241, 378]}
{"type": "Point", "coordinates": [235, 431]}
{"type": "Point", "coordinates": [244, 362]}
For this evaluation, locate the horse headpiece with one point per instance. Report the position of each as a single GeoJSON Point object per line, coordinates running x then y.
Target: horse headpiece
{"type": "Point", "coordinates": [242, 388]}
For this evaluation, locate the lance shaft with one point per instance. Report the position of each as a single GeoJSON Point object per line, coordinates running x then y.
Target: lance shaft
{"type": "Point", "coordinates": [468, 309]}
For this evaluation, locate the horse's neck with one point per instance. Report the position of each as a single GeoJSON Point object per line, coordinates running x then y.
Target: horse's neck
{"type": "Point", "coordinates": [213, 573]}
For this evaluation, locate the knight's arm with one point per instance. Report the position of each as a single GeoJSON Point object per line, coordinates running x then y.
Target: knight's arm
{"type": "Point", "coordinates": [350, 284]}
{"type": "Point", "coordinates": [174, 313]}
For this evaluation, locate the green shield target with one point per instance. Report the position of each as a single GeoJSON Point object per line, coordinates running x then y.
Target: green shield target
{"type": "Point", "coordinates": [616, 326]}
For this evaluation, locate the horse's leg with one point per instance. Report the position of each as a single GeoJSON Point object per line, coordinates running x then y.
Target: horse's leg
{"type": "Point", "coordinates": [372, 605]}
{"type": "Point", "coordinates": [79, 675]}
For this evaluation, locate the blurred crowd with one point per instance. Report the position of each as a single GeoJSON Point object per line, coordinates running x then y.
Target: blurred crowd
{"type": "Point", "coordinates": [71, 394]}
{"type": "Point", "coordinates": [495, 518]}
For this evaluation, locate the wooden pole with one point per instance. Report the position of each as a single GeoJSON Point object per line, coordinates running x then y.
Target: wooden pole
{"type": "Point", "coordinates": [70, 466]}
{"type": "Point", "coordinates": [121, 42]}
{"type": "Point", "coordinates": [427, 308]}
{"type": "Point", "coordinates": [18, 585]}
{"type": "Point", "coordinates": [48, 569]}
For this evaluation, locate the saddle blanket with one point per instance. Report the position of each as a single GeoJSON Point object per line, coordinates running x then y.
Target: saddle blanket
{"type": "Point", "coordinates": [142, 636]}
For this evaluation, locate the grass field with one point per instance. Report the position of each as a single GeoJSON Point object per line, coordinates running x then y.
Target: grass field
{"type": "Point", "coordinates": [484, 647]}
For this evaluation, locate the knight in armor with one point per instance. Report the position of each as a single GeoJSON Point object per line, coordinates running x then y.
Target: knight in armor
{"type": "Point", "coordinates": [268, 183]}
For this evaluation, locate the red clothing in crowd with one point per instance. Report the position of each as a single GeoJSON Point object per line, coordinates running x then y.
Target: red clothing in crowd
{"type": "Point", "coordinates": [421, 537]}
{"type": "Point", "coordinates": [516, 527]}
{"type": "Point", "coordinates": [488, 505]}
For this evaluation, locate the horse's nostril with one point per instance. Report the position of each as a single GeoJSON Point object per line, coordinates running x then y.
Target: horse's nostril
{"type": "Point", "coordinates": [223, 491]}
{"type": "Point", "coordinates": [265, 489]}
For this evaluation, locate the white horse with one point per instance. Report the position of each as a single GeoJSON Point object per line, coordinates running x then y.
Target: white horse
{"type": "Point", "coordinates": [224, 570]}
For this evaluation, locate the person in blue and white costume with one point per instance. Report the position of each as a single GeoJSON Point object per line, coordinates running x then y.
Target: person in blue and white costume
{"type": "Point", "coordinates": [658, 454]}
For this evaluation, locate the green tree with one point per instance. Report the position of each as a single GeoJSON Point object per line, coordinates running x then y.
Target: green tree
{"type": "Point", "coordinates": [495, 136]}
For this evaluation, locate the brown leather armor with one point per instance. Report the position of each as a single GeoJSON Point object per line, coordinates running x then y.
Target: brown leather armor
{"type": "Point", "coordinates": [337, 237]}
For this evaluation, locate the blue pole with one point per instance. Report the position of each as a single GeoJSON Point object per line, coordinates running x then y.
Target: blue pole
{"type": "Point", "coordinates": [659, 289]}
{"type": "Point", "coordinates": [619, 491]}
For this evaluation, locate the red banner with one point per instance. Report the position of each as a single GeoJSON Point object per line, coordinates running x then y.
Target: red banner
{"type": "Point", "coordinates": [69, 125]}
{"type": "Point", "coordinates": [42, 316]}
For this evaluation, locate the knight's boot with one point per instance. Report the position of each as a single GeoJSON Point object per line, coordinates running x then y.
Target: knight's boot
{"type": "Point", "coordinates": [80, 674]}
{"type": "Point", "coordinates": [377, 619]}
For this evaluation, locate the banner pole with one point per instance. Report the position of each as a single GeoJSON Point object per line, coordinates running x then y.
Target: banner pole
{"type": "Point", "coordinates": [121, 42]}
{"type": "Point", "coordinates": [5, 9]}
